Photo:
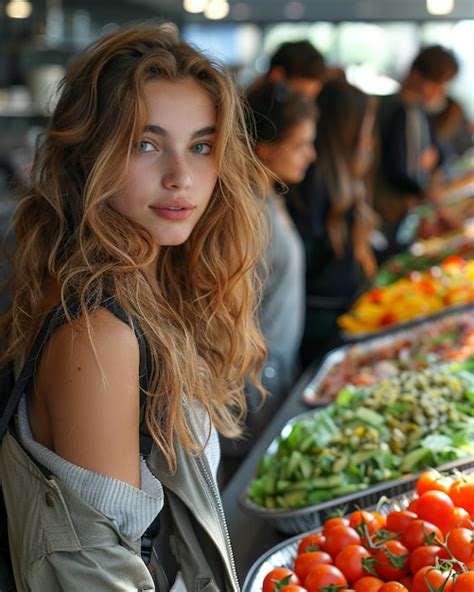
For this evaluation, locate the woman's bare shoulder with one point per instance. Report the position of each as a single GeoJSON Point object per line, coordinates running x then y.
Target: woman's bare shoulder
{"type": "Point", "coordinates": [88, 382]}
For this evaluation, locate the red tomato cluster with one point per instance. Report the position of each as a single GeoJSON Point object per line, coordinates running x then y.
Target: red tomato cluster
{"type": "Point", "coordinates": [427, 548]}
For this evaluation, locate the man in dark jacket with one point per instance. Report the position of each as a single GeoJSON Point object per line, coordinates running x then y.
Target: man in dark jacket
{"type": "Point", "coordinates": [409, 151]}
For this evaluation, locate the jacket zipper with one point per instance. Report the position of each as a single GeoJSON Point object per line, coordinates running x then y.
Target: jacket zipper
{"type": "Point", "coordinates": [225, 530]}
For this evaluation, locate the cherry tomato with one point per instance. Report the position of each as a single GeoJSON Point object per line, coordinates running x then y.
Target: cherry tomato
{"type": "Point", "coordinates": [311, 542]}
{"type": "Point", "coordinates": [375, 295]}
{"type": "Point", "coordinates": [464, 582]}
{"type": "Point", "coordinates": [360, 517]}
{"type": "Point", "coordinates": [425, 555]}
{"type": "Point", "coordinates": [412, 505]}
{"type": "Point", "coordinates": [387, 319]}
{"type": "Point", "coordinates": [453, 260]}
{"type": "Point", "coordinates": [460, 542]}
{"type": "Point", "coordinates": [293, 588]}
{"type": "Point", "coordinates": [470, 565]}
{"type": "Point", "coordinates": [429, 578]}
{"type": "Point", "coordinates": [432, 479]}
{"type": "Point", "coordinates": [391, 560]}
{"type": "Point", "coordinates": [393, 587]}
{"type": "Point", "coordinates": [324, 575]}
{"type": "Point", "coordinates": [462, 494]}
{"type": "Point", "coordinates": [336, 521]}
{"type": "Point", "coordinates": [349, 561]}
{"type": "Point", "coordinates": [274, 577]}
{"type": "Point", "coordinates": [306, 561]}
{"type": "Point", "coordinates": [418, 532]}
{"type": "Point", "coordinates": [436, 507]}
{"type": "Point", "coordinates": [461, 519]}
{"type": "Point", "coordinates": [380, 520]}
{"type": "Point", "coordinates": [339, 537]}
{"type": "Point", "coordinates": [368, 584]}
{"type": "Point", "coordinates": [398, 521]}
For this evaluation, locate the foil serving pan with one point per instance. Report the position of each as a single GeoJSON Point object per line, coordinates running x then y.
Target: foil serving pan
{"type": "Point", "coordinates": [311, 392]}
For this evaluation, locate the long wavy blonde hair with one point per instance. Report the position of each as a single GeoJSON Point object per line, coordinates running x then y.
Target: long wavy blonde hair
{"type": "Point", "coordinates": [200, 323]}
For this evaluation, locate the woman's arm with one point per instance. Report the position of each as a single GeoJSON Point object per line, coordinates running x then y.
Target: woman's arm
{"type": "Point", "coordinates": [92, 398]}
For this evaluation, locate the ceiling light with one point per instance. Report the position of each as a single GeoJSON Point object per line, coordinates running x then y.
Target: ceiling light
{"type": "Point", "coordinates": [216, 9]}
{"type": "Point", "coordinates": [18, 9]}
{"type": "Point", "coordinates": [439, 7]}
{"type": "Point", "coordinates": [195, 6]}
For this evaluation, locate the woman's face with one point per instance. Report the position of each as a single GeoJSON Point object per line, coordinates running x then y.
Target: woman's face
{"type": "Point", "coordinates": [290, 157]}
{"type": "Point", "coordinates": [172, 171]}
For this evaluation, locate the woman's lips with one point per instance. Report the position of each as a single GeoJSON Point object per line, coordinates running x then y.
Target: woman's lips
{"type": "Point", "coordinates": [174, 212]}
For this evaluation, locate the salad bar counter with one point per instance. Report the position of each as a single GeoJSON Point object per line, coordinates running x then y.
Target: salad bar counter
{"type": "Point", "coordinates": [361, 425]}
{"type": "Point", "coordinates": [387, 407]}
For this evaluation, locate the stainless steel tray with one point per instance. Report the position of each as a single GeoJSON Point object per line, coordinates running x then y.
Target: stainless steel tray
{"type": "Point", "coordinates": [284, 553]}
{"type": "Point", "coordinates": [312, 397]}
{"type": "Point", "coordinates": [297, 520]}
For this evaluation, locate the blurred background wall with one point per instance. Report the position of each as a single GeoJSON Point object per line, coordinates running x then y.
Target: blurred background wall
{"type": "Point", "coordinates": [373, 40]}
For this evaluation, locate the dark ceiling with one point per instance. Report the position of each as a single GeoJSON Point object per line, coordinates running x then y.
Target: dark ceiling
{"type": "Point", "coordinates": [324, 10]}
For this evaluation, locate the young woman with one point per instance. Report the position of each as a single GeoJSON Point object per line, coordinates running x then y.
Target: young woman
{"type": "Point", "coordinates": [332, 212]}
{"type": "Point", "coordinates": [283, 127]}
{"type": "Point", "coordinates": [141, 232]}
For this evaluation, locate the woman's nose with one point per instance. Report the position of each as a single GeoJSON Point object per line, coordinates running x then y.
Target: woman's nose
{"type": "Point", "coordinates": [177, 174]}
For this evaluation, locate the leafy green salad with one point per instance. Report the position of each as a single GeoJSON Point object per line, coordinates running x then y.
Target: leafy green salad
{"type": "Point", "coordinates": [368, 435]}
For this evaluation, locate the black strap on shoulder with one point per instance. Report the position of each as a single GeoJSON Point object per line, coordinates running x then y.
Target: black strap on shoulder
{"type": "Point", "coordinates": [55, 319]}
{"type": "Point", "coordinates": [146, 441]}
{"type": "Point", "coordinates": [28, 370]}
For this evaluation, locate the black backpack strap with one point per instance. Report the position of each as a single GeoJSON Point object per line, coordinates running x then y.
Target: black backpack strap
{"type": "Point", "coordinates": [146, 441]}
{"type": "Point", "coordinates": [50, 323]}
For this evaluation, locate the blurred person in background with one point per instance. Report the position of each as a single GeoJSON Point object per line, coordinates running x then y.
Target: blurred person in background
{"type": "Point", "coordinates": [454, 131]}
{"type": "Point", "coordinates": [298, 63]}
{"type": "Point", "coordinates": [282, 124]}
{"type": "Point", "coordinates": [332, 212]}
{"type": "Point", "coordinates": [409, 148]}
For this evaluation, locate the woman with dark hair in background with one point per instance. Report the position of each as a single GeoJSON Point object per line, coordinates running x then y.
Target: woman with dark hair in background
{"type": "Point", "coordinates": [282, 124]}
{"type": "Point", "coordinates": [332, 212]}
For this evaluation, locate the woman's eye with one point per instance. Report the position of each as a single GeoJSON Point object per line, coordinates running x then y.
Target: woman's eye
{"type": "Point", "coordinates": [202, 148]}
{"type": "Point", "coordinates": [145, 146]}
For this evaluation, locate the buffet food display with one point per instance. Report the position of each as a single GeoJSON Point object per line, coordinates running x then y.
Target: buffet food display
{"type": "Point", "coordinates": [370, 435]}
{"type": "Point", "coordinates": [446, 338]}
{"type": "Point", "coordinates": [416, 296]}
{"type": "Point", "coordinates": [395, 402]}
{"type": "Point", "coordinates": [420, 541]}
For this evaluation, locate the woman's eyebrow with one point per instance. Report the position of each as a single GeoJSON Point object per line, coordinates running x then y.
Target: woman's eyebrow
{"type": "Point", "coordinates": [155, 129]}
{"type": "Point", "coordinates": [205, 131]}
{"type": "Point", "coordinates": [160, 131]}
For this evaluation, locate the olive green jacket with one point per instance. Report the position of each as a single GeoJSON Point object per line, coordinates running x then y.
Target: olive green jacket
{"type": "Point", "coordinates": [60, 543]}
